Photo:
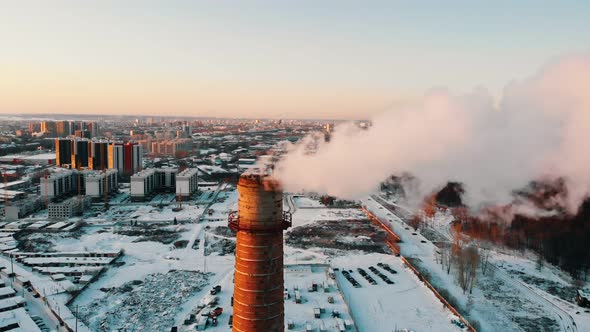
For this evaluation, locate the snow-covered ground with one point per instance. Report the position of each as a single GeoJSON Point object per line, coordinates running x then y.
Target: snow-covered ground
{"type": "Point", "coordinates": [166, 278]}
{"type": "Point", "coordinates": [374, 315]}
{"type": "Point", "coordinates": [546, 283]}
{"type": "Point", "coordinates": [501, 297]}
{"type": "Point", "coordinates": [407, 303]}
{"type": "Point", "coordinates": [423, 312]}
{"type": "Point", "coordinates": [144, 304]}
{"type": "Point", "coordinates": [146, 264]}
{"type": "Point", "coordinates": [148, 213]}
{"type": "Point", "coordinates": [304, 202]}
{"type": "Point", "coordinates": [300, 314]}
{"type": "Point", "coordinates": [302, 277]}
{"type": "Point", "coordinates": [541, 275]}
{"type": "Point", "coordinates": [422, 253]}
{"type": "Point", "coordinates": [307, 216]}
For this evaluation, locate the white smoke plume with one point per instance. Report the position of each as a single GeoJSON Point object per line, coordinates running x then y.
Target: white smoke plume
{"type": "Point", "coordinates": [540, 128]}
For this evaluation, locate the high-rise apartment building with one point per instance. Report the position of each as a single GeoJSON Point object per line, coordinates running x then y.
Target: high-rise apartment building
{"type": "Point", "coordinates": [63, 151]}
{"type": "Point", "coordinates": [63, 128]}
{"type": "Point", "coordinates": [127, 158]}
{"type": "Point", "coordinates": [49, 128]}
{"type": "Point", "coordinates": [92, 127]}
{"type": "Point", "coordinates": [115, 156]}
{"type": "Point", "coordinates": [80, 153]}
{"type": "Point", "coordinates": [34, 127]}
{"type": "Point", "coordinates": [98, 155]}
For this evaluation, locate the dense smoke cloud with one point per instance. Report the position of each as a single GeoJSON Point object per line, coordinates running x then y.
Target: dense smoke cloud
{"type": "Point", "coordinates": [539, 129]}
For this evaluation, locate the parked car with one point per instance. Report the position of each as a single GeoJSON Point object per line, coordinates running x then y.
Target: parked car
{"type": "Point", "coordinates": [217, 311]}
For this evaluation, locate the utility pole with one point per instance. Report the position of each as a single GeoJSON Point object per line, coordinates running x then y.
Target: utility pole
{"type": "Point", "coordinates": [180, 199]}
{"type": "Point", "coordinates": [76, 318]}
{"type": "Point", "coordinates": [11, 267]}
{"type": "Point", "coordinates": [106, 177]}
{"type": "Point", "coordinates": [4, 175]}
{"type": "Point", "coordinates": [47, 189]}
{"type": "Point", "coordinates": [106, 189]}
{"type": "Point", "coordinates": [79, 188]}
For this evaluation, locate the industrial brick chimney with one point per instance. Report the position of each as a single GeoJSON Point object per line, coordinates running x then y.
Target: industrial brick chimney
{"type": "Point", "coordinates": [258, 283]}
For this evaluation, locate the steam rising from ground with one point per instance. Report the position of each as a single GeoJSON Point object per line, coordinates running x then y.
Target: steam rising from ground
{"type": "Point", "coordinates": [540, 129]}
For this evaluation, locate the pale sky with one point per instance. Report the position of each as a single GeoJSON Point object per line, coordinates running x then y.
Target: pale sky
{"type": "Point", "coordinates": [289, 59]}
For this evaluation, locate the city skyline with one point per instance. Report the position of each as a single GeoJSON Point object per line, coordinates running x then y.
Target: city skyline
{"type": "Point", "coordinates": [260, 59]}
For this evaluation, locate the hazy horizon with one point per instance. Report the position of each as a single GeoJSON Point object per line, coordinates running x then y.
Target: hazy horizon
{"type": "Point", "coordinates": [329, 60]}
{"type": "Point", "coordinates": [94, 117]}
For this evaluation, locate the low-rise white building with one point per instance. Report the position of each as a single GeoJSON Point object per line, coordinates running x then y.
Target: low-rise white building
{"type": "Point", "coordinates": [99, 182]}
{"type": "Point", "coordinates": [187, 182]}
{"type": "Point", "coordinates": [152, 180]}
{"type": "Point", "coordinates": [60, 182]}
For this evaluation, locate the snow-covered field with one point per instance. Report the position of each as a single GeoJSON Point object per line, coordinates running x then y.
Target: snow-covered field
{"type": "Point", "coordinates": [502, 297]}
{"type": "Point", "coordinates": [547, 283]}
{"type": "Point", "coordinates": [154, 284]}
{"type": "Point", "coordinates": [405, 304]}
{"type": "Point", "coordinates": [486, 308]}
{"type": "Point", "coordinates": [149, 213]}
{"type": "Point", "coordinates": [145, 304]}
{"type": "Point", "coordinates": [539, 274]}
{"type": "Point", "coordinates": [304, 202]}
{"type": "Point", "coordinates": [307, 216]}
{"type": "Point", "coordinates": [373, 306]}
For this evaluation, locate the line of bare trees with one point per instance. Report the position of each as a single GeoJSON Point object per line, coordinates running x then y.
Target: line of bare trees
{"type": "Point", "coordinates": [462, 257]}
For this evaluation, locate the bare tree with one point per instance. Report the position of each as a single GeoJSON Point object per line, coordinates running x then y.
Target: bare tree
{"type": "Point", "coordinates": [485, 253]}
{"type": "Point", "coordinates": [467, 263]}
{"type": "Point", "coordinates": [473, 261]}
{"type": "Point", "coordinates": [446, 258]}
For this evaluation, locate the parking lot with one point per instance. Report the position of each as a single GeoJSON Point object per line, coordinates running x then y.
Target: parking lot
{"type": "Point", "coordinates": [383, 294]}
{"type": "Point", "coordinates": [367, 276]}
